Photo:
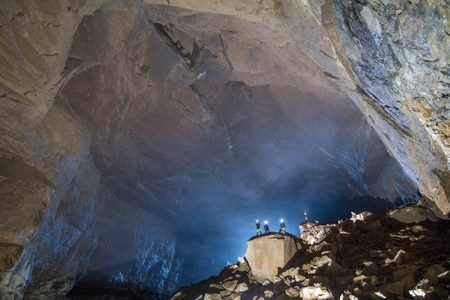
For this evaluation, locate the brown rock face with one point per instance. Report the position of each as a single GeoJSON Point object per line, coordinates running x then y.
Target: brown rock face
{"type": "Point", "coordinates": [267, 254]}
{"type": "Point", "coordinates": [149, 110]}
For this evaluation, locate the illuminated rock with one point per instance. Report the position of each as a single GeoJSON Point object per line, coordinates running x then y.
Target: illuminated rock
{"type": "Point", "coordinates": [315, 292]}
{"type": "Point", "coordinates": [314, 233]}
{"type": "Point", "coordinates": [412, 214]}
{"type": "Point", "coordinates": [267, 254]}
{"type": "Point", "coordinates": [348, 265]}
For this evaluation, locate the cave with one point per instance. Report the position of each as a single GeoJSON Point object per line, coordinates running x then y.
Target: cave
{"type": "Point", "coordinates": [140, 140]}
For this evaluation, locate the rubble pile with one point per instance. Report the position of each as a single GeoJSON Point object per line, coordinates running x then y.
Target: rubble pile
{"type": "Point", "coordinates": [313, 234]}
{"type": "Point", "coordinates": [370, 256]}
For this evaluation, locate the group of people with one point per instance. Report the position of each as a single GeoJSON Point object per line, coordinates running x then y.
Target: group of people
{"type": "Point", "coordinates": [266, 227]}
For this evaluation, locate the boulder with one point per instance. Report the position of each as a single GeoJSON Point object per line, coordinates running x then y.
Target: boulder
{"type": "Point", "coordinates": [243, 267]}
{"type": "Point", "coordinates": [267, 254]}
{"type": "Point", "coordinates": [412, 214]}
{"type": "Point", "coordinates": [420, 290]}
{"type": "Point", "coordinates": [215, 286]}
{"type": "Point", "coordinates": [292, 292]}
{"type": "Point", "coordinates": [315, 234]}
{"type": "Point", "coordinates": [268, 294]}
{"type": "Point", "coordinates": [400, 287]}
{"type": "Point", "coordinates": [360, 216]}
{"type": "Point", "coordinates": [225, 293]}
{"type": "Point", "coordinates": [230, 285]}
{"type": "Point", "coordinates": [405, 271]}
{"type": "Point", "coordinates": [360, 279]}
{"type": "Point", "coordinates": [275, 280]}
{"type": "Point", "coordinates": [323, 264]}
{"type": "Point", "coordinates": [241, 287]}
{"type": "Point", "coordinates": [315, 292]}
{"type": "Point", "coordinates": [290, 272]}
{"type": "Point", "coordinates": [433, 272]}
{"type": "Point", "coordinates": [212, 297]}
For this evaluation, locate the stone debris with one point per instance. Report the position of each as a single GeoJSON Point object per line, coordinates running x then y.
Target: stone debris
{"type": "Point", "coordinates": [241, 287]}
{"type": "Point", "coordinates": [360, 217]}
{"type": "Point", "coordinates": [212, 297]}
{"type": "Point", "coordinates": [380, 295]}
{"type": "Point", "coordinates": [315, 292]}
{"type": "Point", "coordinates": [265, 282]}
{"type": "Point", "coordinates": [276, 280]}
{"type": "Point", "coordinates": [313, 233]}
{"type": "Point", "coordinates": [268, 294]}
{"type": "Point", "coordinates": [388, 260]}
{"type": "Point", "coordinates": [401, 257]}
{"type": "Point", "coordinates": [299, 278]}
{"type": "Point", "coordinates": [292, 292]}
{"type": "Point", "coordinates": [230, 285]}
{"type": "Point", "coordinates": [413, 214]}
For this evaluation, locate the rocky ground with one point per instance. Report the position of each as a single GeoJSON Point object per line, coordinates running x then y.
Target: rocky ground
{"type": "Point", "coordinates": [370, 256]}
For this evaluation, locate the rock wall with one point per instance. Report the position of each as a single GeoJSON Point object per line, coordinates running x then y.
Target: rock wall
{"type": "Point", "coordinates": [388, 57]}
{"type": "Point", "coordinates": [50, 184]}
{"type": "Point", "coordinates": [64, 236]}
{"type": "Point", "coordinates": [45, 158]}
{"type": "Point", "coordinates": [136, 94]}
{"type": "Point", "coordinates": [397, 54]}
{"type": "Point", "coordinates": [49, 219]}
{"type": "Point", "coordinates": [136, 250]}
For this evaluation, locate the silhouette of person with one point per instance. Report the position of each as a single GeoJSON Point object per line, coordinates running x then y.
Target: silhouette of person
{"type": "Point", "coordinates": [258, 228]}
{"type": "Point", "coordinates": [282, 227]}
{"type": "Point", "coordinates": [266, 226]}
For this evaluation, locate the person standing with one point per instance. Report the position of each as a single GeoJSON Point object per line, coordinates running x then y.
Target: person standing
{"type": "Point", "coordinates": [282, 227]}
{"type": "Point", "coordinates": [302, 226]}
{"type": "Point", "coordinates": [266, 227]}
{"type": "Point", "coordinates": [258, 228]}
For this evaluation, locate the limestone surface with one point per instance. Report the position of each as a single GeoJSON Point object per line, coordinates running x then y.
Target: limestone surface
{"type": "Point", "coordinates": [269, 253]}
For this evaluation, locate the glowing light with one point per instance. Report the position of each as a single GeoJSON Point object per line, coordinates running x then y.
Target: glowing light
{"type": "Point", "coordinates": [266, 222]}
{"type": "Point", "coordinates": [281, 220]}
{"type": "Point", "coordinates": [257, 221]}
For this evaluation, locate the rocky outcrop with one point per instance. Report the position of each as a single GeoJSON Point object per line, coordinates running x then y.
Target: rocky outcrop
{"type": "Point", "coordinates": [376, 257]}
{"type": "Point", "coordinates": [413, 214]}
{"type": "Point", "coordinates": [268, 253]}
{"type": "Point", "coordinates": [154, 100]}
{"type": "Point", "coordinates": [65, 235]}
{"type": "Point", "coordinates": [395, 52]}
{"type": "Point", "coordinates": [144, 262]}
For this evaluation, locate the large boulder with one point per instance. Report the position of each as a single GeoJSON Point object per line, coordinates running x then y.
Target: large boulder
{"type": "Point", "coordinates": [268, 254]}
{"type": "Point", "coordinates": [412, 214]}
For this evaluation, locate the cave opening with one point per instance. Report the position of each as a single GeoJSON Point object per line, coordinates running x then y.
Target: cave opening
{"type": "Point", "coordinates": [198, 131]}
{"type": "Point", "coordinates": [167, 129]}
